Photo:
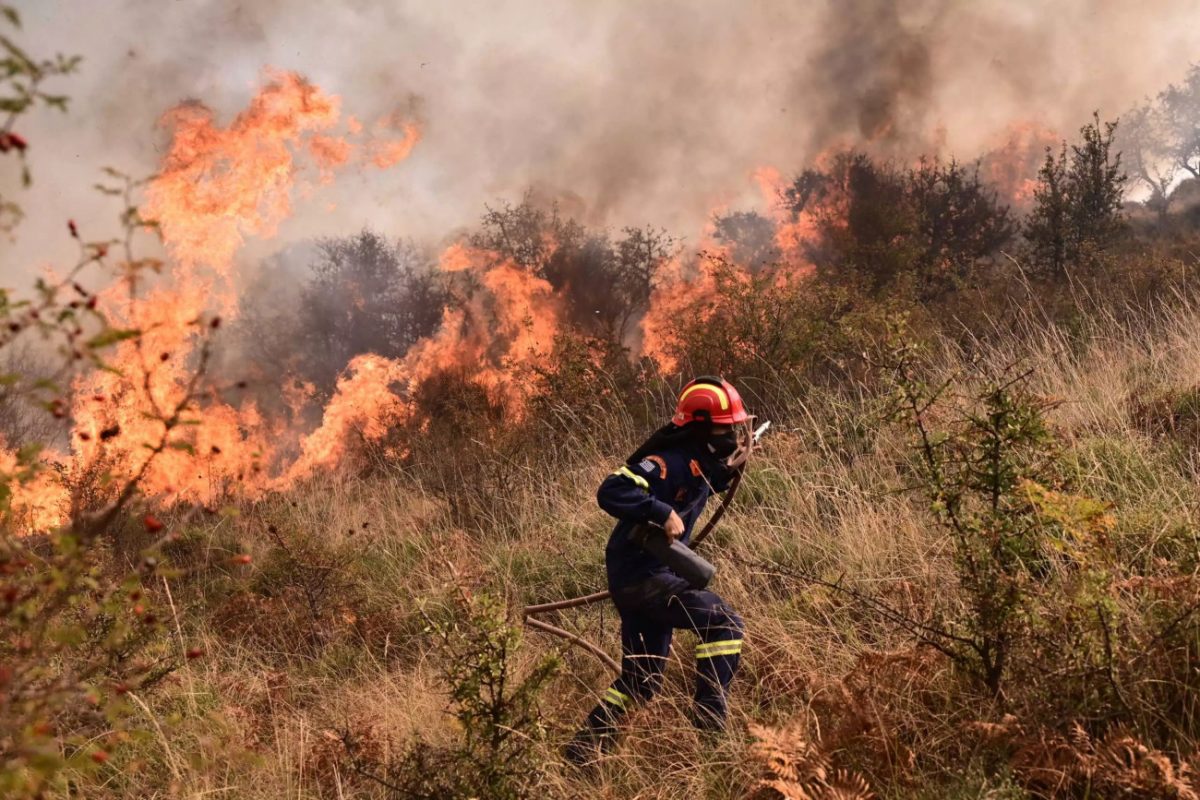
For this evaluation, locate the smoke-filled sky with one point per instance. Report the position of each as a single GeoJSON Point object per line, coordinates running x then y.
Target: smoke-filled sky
{"type": "Point", "coordinates": [627, 111]}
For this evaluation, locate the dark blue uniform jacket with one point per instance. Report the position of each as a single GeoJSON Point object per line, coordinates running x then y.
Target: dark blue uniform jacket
{"type": "Point", "coordinates": [681, 478]}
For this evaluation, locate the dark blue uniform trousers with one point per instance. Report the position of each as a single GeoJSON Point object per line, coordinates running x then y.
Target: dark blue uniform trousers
{"type": "Point", "coordinates": [650, 612]}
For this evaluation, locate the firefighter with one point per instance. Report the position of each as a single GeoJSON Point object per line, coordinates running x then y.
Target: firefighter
{"type": "Point", "coordinates": [666, 483]}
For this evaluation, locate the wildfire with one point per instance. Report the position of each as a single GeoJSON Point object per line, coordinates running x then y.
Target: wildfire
{"type": "Point", "coordinates": [793, 233]}
{"type": "Point", "coordinates": [363, 404]}
{"type": "Point", "coordinates": [511, 324]}
{"type": "Point", "coordinates": [37, 504]}
{"type": "Point", "coordinates": [222, 184]}
{"type": "Point", "coordinates": [217, 187]}
{"type": "Point", "coordinates": [386, 151]}
{"type": "Point", "coordinates": [1011, 166]}
{"type": "Point", "coordinates": [685, 283]}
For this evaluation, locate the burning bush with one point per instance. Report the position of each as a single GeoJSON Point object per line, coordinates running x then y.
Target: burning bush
{"type": "Point", "coordinates": [921, 231]}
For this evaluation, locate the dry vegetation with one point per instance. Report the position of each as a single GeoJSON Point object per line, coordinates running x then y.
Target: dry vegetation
{"type": "Point", "coordinates": [330, 634]}
{"type": "Point", "coordinates": [966, 556]}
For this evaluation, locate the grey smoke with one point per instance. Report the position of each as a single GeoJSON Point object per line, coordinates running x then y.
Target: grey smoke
{"type": "Point", "coordinates": [631, 112]}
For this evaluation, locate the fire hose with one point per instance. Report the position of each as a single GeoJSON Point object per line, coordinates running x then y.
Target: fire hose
{"type": "Point", "coordinates": [597, 597]}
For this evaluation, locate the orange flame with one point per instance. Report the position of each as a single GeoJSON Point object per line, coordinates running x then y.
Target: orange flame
{"type": "Point", "coordinates": [511, 324]}
{"type": "Point", "coordinates": [685, 286]}
{"type": "Point", "coordinates": [363, 404]}
{"type": "Point", "coordinates": [1012, 165]}
{"type": "Point", "coordinates": [37, 504]}
{"type": "Point", "coordinates": [217, 187]}
{"type": "Point", "coordinates": [682, 286]}
{"type": "Point", "coordinates": [793, 234]}
{"type": "Point", "coordinates": [386, 151]}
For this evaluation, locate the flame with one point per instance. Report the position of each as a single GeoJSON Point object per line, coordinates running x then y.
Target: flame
{"type": "Point", "coordinates": [36, 504]}
{"type": "Point", "coordinates": [363, 404]}
{"type": "Point", "coordinates": [488, 335]}
{"type": "Point", "coordinates": [685, 285]}
{"type": "Point", "coordinates": [681, 287]}
{"type": "Point", "coordinates": [330, 153]}
{"type": "Point", "coordinates": [794, 233]}
{"type": "Point", "coordinates": [386, 151]}
{"type": "Point", "coordinates": [512, 322]}
{"type": "Point", "coordinates": [1012, 165]}
{"type": "Point", "coordinates": [217, 187]}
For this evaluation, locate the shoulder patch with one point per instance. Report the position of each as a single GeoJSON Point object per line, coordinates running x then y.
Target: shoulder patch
{"type": "Point", "coordinates": [695, 465]}
{"type": "Point", "coordinates": [651, 463]}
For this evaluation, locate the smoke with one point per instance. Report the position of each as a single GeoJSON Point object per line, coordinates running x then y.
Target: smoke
{"type": "Point", "coordinates": [633, 113]}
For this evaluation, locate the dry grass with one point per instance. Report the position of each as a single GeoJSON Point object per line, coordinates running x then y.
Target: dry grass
{"type": "Point", "coordinates": [825, 498]}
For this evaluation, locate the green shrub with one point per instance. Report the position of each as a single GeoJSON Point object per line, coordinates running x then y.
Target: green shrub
{"type": "Point", "coordinates": [496, 709]}
{"type": "Point", "coordinates": [982, 459]}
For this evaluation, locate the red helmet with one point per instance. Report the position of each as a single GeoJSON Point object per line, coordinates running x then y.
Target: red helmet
{"type": "Point", "coordinates": [710, 400]}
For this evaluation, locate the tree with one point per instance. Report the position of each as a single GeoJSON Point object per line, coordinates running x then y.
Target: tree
{"type": "Point", "coordinates": [527, 234]}
{"type": "Point", "coordinates": [750, 238]}
{"type": "Point", "coordinates": [959, 221]}
{"type": "Point", "coordinates": [638, 257]}
{"type": "Point", "coordinates": [606, 285]}
{"type": "Point", "coordinates": [367, 295]}
{"type": "Point", "coordinates": [1077, 205]}
{"type": "Point", "coordinates": [1181, 121]}
{"type": "Point", "coordinates": [1146, 153]}
{"type": "Point", "coordinates": [1046, 230]}
{"type": "Point", "coordinates": [918, 230]}
{"type": "Point", "coordinates": [1097, 185]}
{"type": "Point", "coordinates": [865, 224]}
{"type": "Point", "coordinates": [1161, 137]}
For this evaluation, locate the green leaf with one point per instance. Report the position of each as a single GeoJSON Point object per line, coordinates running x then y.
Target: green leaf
{"type": "Point", "coordinates": [58, 101]}
{"type": "Point", "coordinates": [184, 446]}
{"type": "Point", "coordinates": [112, 336]}
{"type": "Point", "coordinates": [28, 454]}
{"type": "Point", "coordinates": [10, 14]}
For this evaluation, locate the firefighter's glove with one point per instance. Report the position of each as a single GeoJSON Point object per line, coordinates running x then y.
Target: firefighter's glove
{"type": "Point", "coordinates": [673, 526]}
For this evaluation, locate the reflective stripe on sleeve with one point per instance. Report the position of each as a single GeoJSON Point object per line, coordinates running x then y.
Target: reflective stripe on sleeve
{"type": "Point", "coordinates": [633, 476]}
{"type": "Point", "coordinates": [727, 647]}
{"type": "Point", "coordinates": [618, 699]}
